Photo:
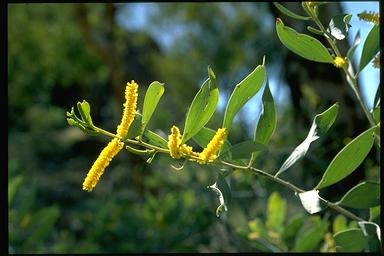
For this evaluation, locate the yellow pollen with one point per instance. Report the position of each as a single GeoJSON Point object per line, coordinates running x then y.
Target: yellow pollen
{"type": "Point", "coordinates": [129, 108]}
{"type": "Point", "coordinates": [101, 163]}
{"type": "Point", "coordinates": [209, 153]}
{"type": "Point", "coordinates": [339, 62]}
{"type": "Point", "coordinates": [372, 17]}
{"type": "Point", "coordinates": [174, 141]}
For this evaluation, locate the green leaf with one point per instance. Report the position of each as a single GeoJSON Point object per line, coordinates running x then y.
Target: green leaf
{"type": "Point", "coordinates": [242, 150]}
{"type": "Point", "coordinates": [243, 91]}
{"type": "Point", "coordinates": [135, 128]}
{"type": "Point", "coordinates": [325, 120]}
{"type": "Point", "coordinates": [339, 26]}
{"type": "Point", "coordinates": [310, 239]}
{"type": "Point", "coordinates": [370, 48]}
{"type": "Point", "coordinates": [276, 210]}
{"type": "Point", "coordinates": [320, 125]}
{"type": "Point", "coordinates": [370, 229]}
{"type": "Point", "coordinates": [303, 45]}
{"type": "Point", "coordinates": [363, 195]}
{"type": "Point", "coordinates": [152, 97]}
{"type": "Point", "coordinates": [85, 112]}
{"type": "Point", "coordinates": [350, 240]}
{"type": "Point", "coordinates": [155, 139]}
{"type": "Point", "coordinates": [348, 159]}
{"type": "Point", "coordinates": [290, 13]}
{"type": "Point", "coordinates": [315, 31]}
{"type": "Point", "coordinates": [202, 107]}
{"type": "Point", "coordinates": [339, 224]}
{"type": "Point", "coordinates": [204, 136]}
{"type": "Point", "coordinates": [267, 121]}
{"type": "Point", "coordinates": [351, 50]}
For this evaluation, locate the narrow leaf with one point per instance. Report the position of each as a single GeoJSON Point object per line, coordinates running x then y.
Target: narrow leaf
{"type": "Point", "coordinates": [348, 159]}
{"type": "Point", "coordinates": [202, 107]}
{"type": "Point", "coordinates": [339, 26]}
{"type": "Point", "coordinates": [135, 128]}
{"type": "Point", "coordinates": [320, 125]}
{"type": "Point", "coordinates": [290, 13]}
{"type": "Point", "coordinates": [350, 240]}
{"type": "Point", "coordinates": [155, 139]}
{"type": "Point", "coordinates": [267, 121]}
{"type": "Point", "coordinates": [339, 223]}
{"type": "Point", "coordinates": [303, 45]}
{"type": "Point", "coordinates": [363, 195]}
{"type": "Point", "coordinates": [315, 31]}
{"type": "Point", "coordinates": [242, 150]}
{"type": "Point", "coordinates": [152, 97]}
{"type": "Point", "coordinates": [370, 48]}
{"type": "Point", "coordinates": [243, 92]}
{"type": "Point", "coordinates": [85, 111]}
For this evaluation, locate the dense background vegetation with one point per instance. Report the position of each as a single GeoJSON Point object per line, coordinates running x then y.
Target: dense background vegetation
{"type": "Point", "coordinates": [59, 54]}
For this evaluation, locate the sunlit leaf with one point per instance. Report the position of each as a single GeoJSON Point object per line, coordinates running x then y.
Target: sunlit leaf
{"type": "Point", "coordinates": [276, 210]}
{"type": "Point", "coordinates": [339, 26]}
{"type": "Point", "coordinates": [370, 48]}
{"type": "Point", "coordinates": [348, 159]}
{"type": "Point", "coordinates": [135, 128]}
{"type": "Point", "coordinates": [339, 223]}
{"type": "Point", "coordinates": [243, 92]}
{"type": "Point", "coordinates": [152, 97]}
{"type": "Point", "coordinates": [290, 13]}
{"type": "Point", "coordinates": [222, 206]}
{"type": "Point", "coordinates": [363, 195]}
{"type": "Point", "coordinates": [303, 45]}
{"type": "Point", "coordinates": [356, 43]}
{"type": "Point", "coordinates": [311, 201]}
{"type": "Point", "coordinates": [85, 111]}
{"type": "Point", "coordinates": [202, 107]}
{"type": "Point", "coordinates": [320, 125]}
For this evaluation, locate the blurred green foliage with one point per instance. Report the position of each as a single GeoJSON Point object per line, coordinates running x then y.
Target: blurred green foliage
{"type": "Point", "coordinates": [138, 207]}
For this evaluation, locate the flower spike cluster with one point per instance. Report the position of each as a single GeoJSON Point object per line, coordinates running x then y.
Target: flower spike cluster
{"type": "Point", "coordinates": [372, 17]}
{"type": "Point", "coordinates": [209, 153]}
{"type": "Point", "coordinates": [105, 157]}
{"type": "Point", "coordinates": [129, 108]}
{"type": "Point", "coordinates": [176, 150]}
{"type": "Point", "coordinates": [174, 141]}
{"type": "Point", "coordinates": [114, 146]}
{"type": "Point", "coordinates": [339, 62]}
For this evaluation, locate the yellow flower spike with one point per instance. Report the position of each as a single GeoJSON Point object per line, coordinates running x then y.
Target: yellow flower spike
{"type": "Point", "coordinates": [129, 108]}
{"type": "Point", "coordinates": [339, 62]}
{"type": "Point", "coordinates": [101, 163]}
{"type": "Point", "coordinates": [372, 17]}
{"type": "Point", "coordinates": [209, 153]}
{"type": "Point", "coordinates": [188, 150]}
{"type": "Point", "coordinates": [174, 141]}
{"type": "Point", "coordinates": [376, 61]}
